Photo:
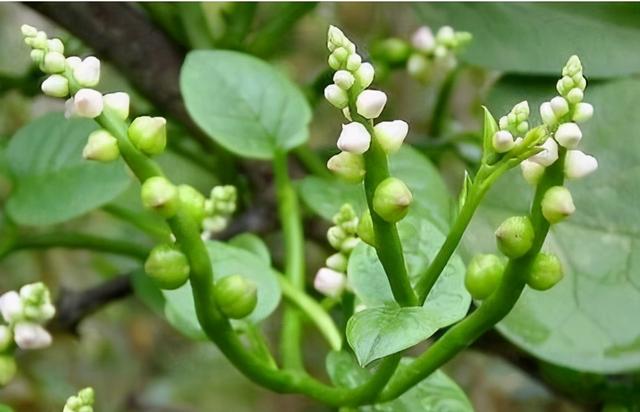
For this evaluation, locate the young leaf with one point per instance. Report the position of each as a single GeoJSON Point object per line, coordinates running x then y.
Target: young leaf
{"type": "Point", "coordinates": [252, 243]}
{"type": "Point", "coordinates": [243, 103]}
{"type": "Point", "coordinates": [53, 183]}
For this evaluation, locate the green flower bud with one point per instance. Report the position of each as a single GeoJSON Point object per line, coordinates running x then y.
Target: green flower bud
{"type": "Point", "coordinates": [349, 244]}
{"type": "Point", "coordinates": [101, 146]}
{"type": "Point", "coordinates": [484, 274]}
{"type": "Point", "coordinates": [53, 62]}
{"type": "Point", "coordinates": [87, 396]}
{"type": "Point", "coordinates": [346, 218]}
{"type": "Point", "coordinates": [349, 166]}
{"type": "Point", "coordinates": [149, 134]}
{"type": "Point", "coordinates": [546, 271]}
{"type": "Point", "coordinates": [557, 204]}
{"type": "Point", "coordinates": [391, 199]}
{"type": "Point", "coordinates": [236, 296]}
{"type": "Point", "coordinates": [167, 266]}
{"type": "Point", "coordinates": [161, 195]}
{"type": "Point", "coordinates": [392, 50]}
{"type": "Point", "coordinates": [192, 202]}
{"type": "Point", "coordinates": [338, 262]}
{"type": "Point", "coordinates": [335, 236]}
{"type": "Point", "coordinates": [8, 369]}
{"type": "Point", "coordinates": [365, 229]}
{"type": "Point", "coordinates": [515, 236]}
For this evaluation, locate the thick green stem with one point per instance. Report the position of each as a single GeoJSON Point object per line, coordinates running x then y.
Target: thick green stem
{"type": "Point", "coordinates": [492, 310]}
{"type": "Point", "coordinates": [294, 266]}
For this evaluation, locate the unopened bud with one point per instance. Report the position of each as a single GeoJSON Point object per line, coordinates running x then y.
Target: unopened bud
{"type": "Point", "coordinates": [56, 85]}
{"type": "Point", "coordinates": [578, 164]}
{"type": "Point", "coordinates": [546, 272]}
{"type": "Point", "coordinates": [117, 103]}
{"type": "Point", "coordinates": [11, 306]}
{"type": "Point", "coordinates": [149, 134]}
{"type": "Point", "coordinates": [192, 202]}
{"type": "Point", "coordinates": [31, 336]}
{"type": "Point", "coordinates": [365, 229]}
{"type": "Point", "coordinates": [55, 45]}
{"type": "Point", "coordinates": [547, 114]}
{"type": "Point", "coordinates": [364, 75]}
{"type": "Point", "coordinates": [87, 103]}
{"type": "Point", "coordinates": [568, 135]}
{"type": "Point", "coordinates": [559, 106]}
{"type": "Point", "coordinates": [548, 155]}
{"type": "Point", "coordinates": [531, 171]}
{"type": "Point", "coordinates": [483, 276]}
{"type": "Point", "coordinates": [348, 166]}
{"type": "Point", "coordinates": [37, 56]}
{"type": "Point", "coordinates": [419, 67]}
{"type": "Point", "coordinates": [167, 266]}
{"type": "Point", "coordinates": [423, 40]}
{"type": "Point", "coordinates": [583, 112]}
{"type": "Point", "coordinates": [8, 369]}
{"type": "Point", "coordinates": [343, 79]}
{"type": "Point", "coordinates": [353, 62]}
{"type": "Point", "coordinates": [236, 296]}
{"type": "Point", "coordinates": [28, 31]}
{"type": "Point", "coordinates": [557, 204]}
{"type": "Point", "coordinates": [502, 141]}
{"type": "Point", "coordinates": [390, 135]}
{"type": "Point", "coordinates": [101, 146]}
{"type": "Point", "coordinates": [515, 236]}
{"type": "Point", "coordinates": [53, 62]}
{"type": "Point", "coordinates": [338, 262]}
{"type": "Point", "coordinates": [87, 72]}
{"type": "Point", "coordinates": [349, 244]}
{"type": "Point", "coordinates": [391, 199]}
{"type": "Point", "coordinates": [330, 282]}
{"type": "Point", "coordinates": [575, 95]}
{"type": "Point", "coordinates": [336, 236]}
{"type": "Point", "coordinates": [354, 138]}
{"type": "Point", "coordinates": [336, 96]}
{"type": "Point", "coordinates": [370, 103]}
{"type": "Point", "coordinates": [446, 35]}
{"type": "Point", "coordinates": [161, 195]}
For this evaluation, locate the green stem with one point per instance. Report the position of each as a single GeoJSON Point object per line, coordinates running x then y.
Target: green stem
{"type": "Point", "coordinates": [157, 229]}
{"type": "Point", "coordinates": [492, 310]}
{"type": "Point", "coordinates": [313, 311]}
{"type": "Point", "coordinates": [294, 266]}
{"type": "Point", "coordinates": [388, 245]}
{"type": "Point", "coordinates": [440, 111]}
{"type": "Point", "coordinates": [311, 161]}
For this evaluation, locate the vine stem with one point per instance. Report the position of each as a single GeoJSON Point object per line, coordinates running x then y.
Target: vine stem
{"type": "Point", "coordinates": [492, 310]}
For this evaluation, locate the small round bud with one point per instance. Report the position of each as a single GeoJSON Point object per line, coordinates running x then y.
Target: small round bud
{"type": "Point", "coordinates": [192, 201]}
{"type": "Point", "coordinates": [575, 95]}
{"type": "Point", "coordinates": [101, 146]}
{"type": "Point", "coordinates": [349, 244]}
{"type": "Point", "coordinates": [391, 199]}
{"type": "Point", "coordinates": [87, 396]}
{"type": "Point", "coordinates": [335, 38]}
{"type": "Point", "coordinates": [167, 266]}
{"type": "Point", "coordinates": [39, 41]}
{"type": "Point", "coordinates": [37, 56]}
{"type": "Point", "coordinates": [338, 262]}
{"type": "Point", "coordinates": [11, 307]}
{"type": "Point", "coordinates": [343, 79]}
{"type": "Point", "coordinates": [578, 164]}
{"type": "Point", "coordinates": [117, 103]}
{"type": "Point", "coordinates": [370, 103]}
{"type": "Point", "coordinates": [56, 85]}
{"type": "Point", "coordinates": [583, 112]}
{"type": "Point", "coordinates": [557, 204]}
{"type": "Point", "coordinates": [502, 141]}
{"type": "Point", "coordinates": [161, 195]}
{"type": "Point", "coordinates": [353, 62]}
{"type": "Point", "coordinates": [236, 296]}
{"type": "Point", "coordinates": [336, 96]}
{"type": "Point", "coordinates": [547, 114]}
{"type": "Point", "coordinates": [73, 61]}
{"type": "Point", "coordinates": [423, 40]}
{"type": "Point", "coordinates": [364, 75]}
{"type": "Point", "coordinates": [483, 276]}
{"type": "Point", "coordinates": [354, 138]}
{"type": "Point", "coordinates": [446, 35]}
{"type": "Point", "coordinates": [559, 106]}
{"type": "Point", "coordinates": [148, 134]}
{"type": "Point", "coordinates": [87, 72]}
{"type": "Point", "coordinates": [390, 135]}
{"type": "Point", "coordinates": [348, 166]}
{"type": "Point", "coordinates": [548, 155]}
{"type": "Point", "coordinates": [336, 236]}
{"type": "Point", "coordinates": [55, 45]}
{"type": "Point", "coordinates": [531, 171]}
{"type": "Point", "coordinates": [31, 336]}
{"type": "Point", "coordinates": [53, 62]}
{"type": "Point", "coordinates": [215, 224]}
{"type": "Point", "coordinates": [365, 229]}
{"type": "Point", "coordinates": [523, 128]}
{"type": "Point", "coordinates": [8, 369]}
{"type": "Point", "coordinates": [546, 272]}
{"type": "Point", "coordinates": [515, 236]}
{"type": "Point", "coordinates": [87, 103]}
{"type": "Point", "coordinates": [330, 282]}
{"type": "Point", "coordinates": [419, 67]}
{"type": "Point", "coordinates": [568, 135]}
{"type": "Point", "coordinates": [391, 51]}
{"type": "Point", "coordinates": [28, 31]}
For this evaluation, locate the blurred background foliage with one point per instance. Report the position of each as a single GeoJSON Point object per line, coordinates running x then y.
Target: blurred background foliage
{"type": "Point", "coordinates": [137, 362]}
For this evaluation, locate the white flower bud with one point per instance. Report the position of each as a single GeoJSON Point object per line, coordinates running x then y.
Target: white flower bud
{"type": "Point", "coordinates": [6, 337]}
{"type": "Point", "coordinates": [523, 128]}
{"type": "Point", "coordinates": [559, 106]}
{"type": "Point", "coordinates": [578, 164]}
{"type": "Point", "coordinates": [347, 165]}
{"type": "Point", "coordinates": [214, 224]}
{"type": "Point", "coordinates": [547, 114]}
{"type": "Point", "coordinates": [354, 138]}
{"type": "Point", "coordinates": [87, 73]}
{"type": "Point", "coordinates": [74, 61]}
{"type": "Point", "coordinates": [101, 146]}
{"type": "Point", "coordinates": [568, 135]}
{"type": "Point", "coordinates": [583, 112]}
{"type": "Point", "coordinates": [329, 282]}
{"type": "Point", "coordinates": [55, 85]}
{"type": "Point", "coordinates": [364, 75]}
{"type": "Point", "coordinates": [337, 262]}
{"type": "Point", "coordinates": [87, 103]}
{"type": "Point", "coordinates": [37, 56]}
{"type": "Point", "coordinates": [343, 79]}
{"type": "Point", "coordinates": [39, 41]}
{"type": "Point", "coordinates": [335, 38]}
{"type": "Point", "coordinates": [53, 62]}
{"type": "Point", "coordinates": [31, 336]}
{"type": "Point", "coordinates": [423, 39]}
{"type": "Point", "coordinates": [336, 96]}
{"type": "Point", "coordinates": [440, 52]}
{"type": "Point", "coordinates": [502, 141]}
{"type": "Point", "coordinates": [370, 103]}
{"type": "Point", "coordinates": [118, 103]}
{"type": "Point", "coordinates": [353, 62]}
{"type": "Point", "coordinates": [419, 67]}
{"type": "Point", "coordinates": [522, 110]}
{"type": "Point", "coordinates": [11, 306]}
{"type": "Point", "coordinates": [55, 45]}
{"type": "Point", "coordinates": [28, 31]}
{"type": "Point", "coordinates": [582, 83]}
{"type": "Point", "coordinates": [575, 95]}
{"type": "Point", "coordinates": [446, 35]}
{"type": "Point", "coordinates": [390, 135]}
{"type": "Point", "coordinates": [548, 155]}
{"type": "Point", "coordinates": [557, 204]}
{"type": "Point", "coordinates": [531, 171]}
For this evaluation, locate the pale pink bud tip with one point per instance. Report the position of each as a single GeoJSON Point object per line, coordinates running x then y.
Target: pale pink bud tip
{"type": "Point", "coordinates": [329, 282]}
{"type": "Point", "coordinates": [31, 336]}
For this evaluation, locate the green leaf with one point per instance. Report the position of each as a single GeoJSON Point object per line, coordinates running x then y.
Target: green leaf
{"type": "Point", "coordinates": [53, 183]}
{"type": "Point", "coordinates": [252, 243]}
{"type": "Point", "coordinates": [5, 408]}
{"type": "Point", "coordinates": [538, 38]}
{"type": "Point", "coordinates": [588, 321]}
{"type": "Point", "coordinates": [243, 103]}
{"type": "Point", "coordinates": [447, 303]}
{"type": "Point", "coordinates": [438, 392]}
{"type": "Point", "coordinates": [431, 199]}
{"type": "Point", "coordinates": [226, 260]}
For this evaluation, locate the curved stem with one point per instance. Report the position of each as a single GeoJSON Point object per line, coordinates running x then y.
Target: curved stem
{"type": "Point", "coordinates": [492, 310]}
{"type": "Point", "coordinates": [294, 267]}
{"type": "Point", "coordinates": [152, 227]}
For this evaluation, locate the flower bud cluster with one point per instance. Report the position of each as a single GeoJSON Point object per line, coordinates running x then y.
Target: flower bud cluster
{"type": "Point", "coordinates": [218, 209]}
{"type": "Point", "coordinates": [349, 91]}
{"type": "Point", "coordinates": [82, 402]}
{"type": "Point", "coordinates": [513, 128]}
{"type": "Point", "coordinates": [432, 54]}
{"type": "Point", "coordinates": [331, 280]}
